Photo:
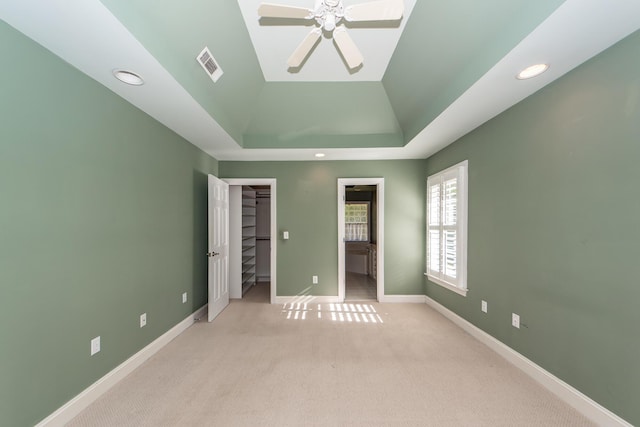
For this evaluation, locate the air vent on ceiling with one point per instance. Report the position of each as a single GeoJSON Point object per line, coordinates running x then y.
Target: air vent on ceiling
{"type": "Point", "coordinates": [209, 64]}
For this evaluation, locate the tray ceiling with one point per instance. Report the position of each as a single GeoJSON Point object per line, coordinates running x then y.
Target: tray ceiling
{"type": "Point", "coordinates": [448, 68]}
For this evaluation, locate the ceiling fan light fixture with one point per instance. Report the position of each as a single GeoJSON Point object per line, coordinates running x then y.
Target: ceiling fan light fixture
{"type": "Point", "coordinates": [330, 22]}
{"type": "Point", "coordinates": [128, 77]}
{"type": "Point", "coordinates": [532, 71]}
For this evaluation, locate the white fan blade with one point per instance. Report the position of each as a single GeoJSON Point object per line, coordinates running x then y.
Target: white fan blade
{"type": "Point", "coordinates": [269, 10]}
{"type": "Point", "coordinates": [302, 51]}
{"type": "Point", "coordinates": [382, 10]}
{"type": "Point", "coordinates": [348, 48]}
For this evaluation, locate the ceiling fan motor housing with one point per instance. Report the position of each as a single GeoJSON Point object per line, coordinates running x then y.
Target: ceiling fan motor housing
{"type": "Point", "coordinates": [329, 13]}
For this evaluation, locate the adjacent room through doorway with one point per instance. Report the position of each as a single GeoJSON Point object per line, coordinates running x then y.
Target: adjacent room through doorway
{"type": "Point", "coordinates": [360, 239]}
{"type": "Point", "coordinates": [360, 243]}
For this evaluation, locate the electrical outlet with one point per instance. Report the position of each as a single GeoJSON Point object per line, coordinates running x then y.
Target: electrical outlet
{"type": "Point", "coordinates": [515, 320]}
{"type": "Point", "coordinates": [184, 297]}
{"type": "Point", "coordinates": [315, 280]}
{"type": "Point", "coordinates": [484, 306]}
{"type": "Point", "coordinates": [143, 319]}
{"type": "Point", "coordinates": [95, 345]}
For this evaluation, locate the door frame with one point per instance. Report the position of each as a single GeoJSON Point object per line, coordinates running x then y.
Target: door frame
{"type": "Point", "coordinates": [342, 184]}
{"type": "Point", "coordinates": [271, 182]}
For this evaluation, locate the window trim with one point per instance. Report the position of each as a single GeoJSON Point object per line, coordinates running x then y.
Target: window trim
{"type": "Point", "coordinates": [439, 282]}
{"type": "Point", "coordinates": [460, 286]}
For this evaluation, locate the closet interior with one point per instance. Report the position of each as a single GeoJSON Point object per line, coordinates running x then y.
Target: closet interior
{"type": "Point", "coordinates": [249, 206]}
{"type": "Point", "coordinates": [250, 237]}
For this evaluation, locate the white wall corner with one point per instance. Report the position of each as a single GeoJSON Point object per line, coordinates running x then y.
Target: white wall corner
{"type": "Point", "coordinates": [69, 410]}
{"type": "Point", "coordinates": [573, 397]}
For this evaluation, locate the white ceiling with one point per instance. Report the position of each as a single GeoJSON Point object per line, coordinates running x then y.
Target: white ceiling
{"type": "Point", "coordinates": [275, 43]}
{"type": "Point", "coordinates": [75, 29]}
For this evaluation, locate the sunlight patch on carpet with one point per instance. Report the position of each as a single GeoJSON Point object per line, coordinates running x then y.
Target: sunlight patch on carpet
{"type": "Point", "coordinates": [345, 312]}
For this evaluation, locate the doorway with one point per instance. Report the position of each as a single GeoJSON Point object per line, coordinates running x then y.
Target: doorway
{"type": "Point", "coordinates": [360, 239]}
{"type": "Point", "coordinates": [252, 239]}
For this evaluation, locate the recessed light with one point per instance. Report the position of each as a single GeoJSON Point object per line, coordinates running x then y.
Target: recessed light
{"type": "Point", "coordinates": [320, 155]}
{"type": "Point", "coordinates": [532, 71]}
{"type": "Point", "coordinates": [128, 77]}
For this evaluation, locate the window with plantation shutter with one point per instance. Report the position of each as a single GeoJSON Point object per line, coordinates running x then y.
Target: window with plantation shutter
{"type": "Point", "coordinates": [447, 228]}
{"type": "Point", "coordinates": [356, 221]}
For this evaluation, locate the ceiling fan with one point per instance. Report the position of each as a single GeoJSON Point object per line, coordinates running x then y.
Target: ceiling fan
{"type": "Point", "coordinates": [328, 14]}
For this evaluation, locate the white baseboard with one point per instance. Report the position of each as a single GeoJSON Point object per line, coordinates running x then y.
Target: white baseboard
{"type": "Point", "coordinates": [302, 299]}
{"type": "Point", "coordinates": [403, 299]}
{"type": "Point", "coordinates": [306, 299]}
{"type": "Point", "coordinates": [582, 403]}
{"type": "Point", "coordinates": [76, 405]}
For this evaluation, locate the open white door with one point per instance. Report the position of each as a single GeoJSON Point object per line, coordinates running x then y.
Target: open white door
{"type": "Point", "coordinates": [218, 253]}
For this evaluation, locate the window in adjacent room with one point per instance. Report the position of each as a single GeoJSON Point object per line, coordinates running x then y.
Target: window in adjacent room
{"type": "Point", "coordinates": [356, 221]}
{"type": "Point", "coordinates": [447, 228]}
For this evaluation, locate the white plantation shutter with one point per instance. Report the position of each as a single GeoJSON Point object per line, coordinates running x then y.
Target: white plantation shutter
{"type": "Point", "coordinates": [446, 227]}
{"type": "Point", "coordinates": [434, 234]}
{"type": "Point", "coordinates": [450, 225]}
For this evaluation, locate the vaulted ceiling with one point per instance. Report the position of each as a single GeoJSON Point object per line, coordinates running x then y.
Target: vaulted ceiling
{"type": "Point", "coordinates": [444, 69]}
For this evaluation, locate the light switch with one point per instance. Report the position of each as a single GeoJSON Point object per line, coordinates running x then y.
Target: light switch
{"type": "Point", "coordinates": [285, 235]}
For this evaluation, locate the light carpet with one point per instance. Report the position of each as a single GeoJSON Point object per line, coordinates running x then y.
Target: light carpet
{"type": "Point", "coordinates": [353, 364]}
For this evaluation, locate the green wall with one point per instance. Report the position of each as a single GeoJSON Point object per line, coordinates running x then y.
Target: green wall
{"type": "Point", "coordinates": [307, 206]}
{"type": "Point", "coordinates": [102, 218]}
{"type": "Point", "coordinates": [554, 231]}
